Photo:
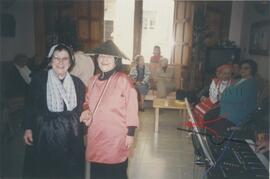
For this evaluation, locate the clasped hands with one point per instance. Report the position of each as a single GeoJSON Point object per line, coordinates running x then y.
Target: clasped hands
{"type": "Point", "coordinates": [86, 117]}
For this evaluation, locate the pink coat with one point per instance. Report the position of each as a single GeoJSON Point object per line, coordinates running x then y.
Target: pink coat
{"type": "Point", "coordinates": [118, 109]}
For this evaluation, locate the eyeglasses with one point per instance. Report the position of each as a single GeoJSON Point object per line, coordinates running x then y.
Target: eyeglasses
{"type": "Point", "coordinates": [64, 59]}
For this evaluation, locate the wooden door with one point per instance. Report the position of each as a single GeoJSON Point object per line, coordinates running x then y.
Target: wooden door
{"type": "Point", "coordinates": [138, 14]}
{"type": "Point", "coordinates": [39, 28]}
{"type": "Point", "coordinates": [183, 14]}
{"type": "Point", "coordinates": [90, 20]}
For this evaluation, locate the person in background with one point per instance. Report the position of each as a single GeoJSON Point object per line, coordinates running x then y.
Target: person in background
{"type": "Point", "coordinates": [16, 83]}
{"type": "Point", "coordinates": [16, 77]}
{"type": "Point", "coordinates": [154, 66]}
{"type": "Point", "coordinates": [84, 67]}
{"type": "Point", "coordinates": [236, 70]}
{"type": "Point", "coordinates": [165, 75]}
{"type": "Point", "coordinates": [134, 62]}
{"type": "Point", "coordinates": [140, 75]}
{"type": "Point", "coordinates": [35, 63]}
{"type": "Point", "coordinates": [240, 99]}
{"type": "Point", "coordinates": [156, 55]}
{"type": "Point", "coordinates": [219, 84]}
{"type": "Point", "coordinates": [52, 131]}
{"type": "Point", "coordinates": [208, 107]}
{"type": "Point", "coordinates": [21, 64]}
{"type": "Point", "coordinates": [111, 114]}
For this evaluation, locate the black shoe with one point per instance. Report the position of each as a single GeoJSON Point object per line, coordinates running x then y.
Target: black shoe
{"type": "Point", "coordinates": [141, 109]}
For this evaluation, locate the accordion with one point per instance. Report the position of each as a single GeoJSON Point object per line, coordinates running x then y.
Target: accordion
{"type": "Point", "coordinates": [206, 110]}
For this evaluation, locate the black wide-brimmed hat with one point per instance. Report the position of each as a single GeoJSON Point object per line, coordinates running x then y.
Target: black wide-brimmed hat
{"type": "Point", "coordinates": [108, 48]}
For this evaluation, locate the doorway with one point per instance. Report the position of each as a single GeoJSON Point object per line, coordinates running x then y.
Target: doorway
{"type": "Point", "coordinates": [157, 27]}
{"type": "Point", "coordinates": [119, 23]}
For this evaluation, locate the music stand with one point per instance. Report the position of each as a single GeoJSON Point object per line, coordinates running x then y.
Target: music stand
{"type": "Point", "coordinates": [202, 139]}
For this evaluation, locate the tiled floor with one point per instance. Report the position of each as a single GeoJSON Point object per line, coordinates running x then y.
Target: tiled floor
{"type": "Point", "coordinates": [167, 154]}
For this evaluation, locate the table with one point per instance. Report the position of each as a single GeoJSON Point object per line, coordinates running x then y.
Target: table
{"type": "Point", "coordinates": [167, 104]}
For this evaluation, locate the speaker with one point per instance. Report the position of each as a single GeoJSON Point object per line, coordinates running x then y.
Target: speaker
{"type": "Point", "coordinates": [219, 56]}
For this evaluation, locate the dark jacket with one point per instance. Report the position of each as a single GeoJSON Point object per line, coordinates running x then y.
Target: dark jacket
{"type": "Point", "coordinates": [238, 101]}
{"type": "Point", "coordinates": [57, 150]}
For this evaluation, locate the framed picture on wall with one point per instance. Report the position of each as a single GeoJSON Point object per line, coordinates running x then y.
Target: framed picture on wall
{"type": "Point", "coordinates": [259, 38]}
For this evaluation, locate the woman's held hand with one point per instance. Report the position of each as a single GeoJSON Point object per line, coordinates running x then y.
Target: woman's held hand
{"type": "Point", "coordinates": [129, 141]}
{"type": "Point", "coordinates": [28, 137]}
{"type": "Point", "coordinates": [86, 117]}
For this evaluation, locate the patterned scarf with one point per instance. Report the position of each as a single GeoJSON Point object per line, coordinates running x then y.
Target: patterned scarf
{"type": "Point", "coordinates": [59, 93]}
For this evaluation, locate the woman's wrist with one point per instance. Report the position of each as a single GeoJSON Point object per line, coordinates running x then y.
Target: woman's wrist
{"type": "Point", "coordinates": [131, 131]}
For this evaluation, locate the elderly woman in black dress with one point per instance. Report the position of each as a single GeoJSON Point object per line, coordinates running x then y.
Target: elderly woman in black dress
{"type": "Point", "coordinates": [140, 74]}
{"type": "Point", "coordinates": [52, 131]}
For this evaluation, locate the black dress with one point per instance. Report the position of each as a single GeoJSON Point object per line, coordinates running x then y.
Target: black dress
{"type": "Point", "coordinates": [57, 150]}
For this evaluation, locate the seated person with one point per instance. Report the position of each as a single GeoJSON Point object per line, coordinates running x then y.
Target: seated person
{"type": "Point", "coordinates": [216, 94]}
{"type": "Point", "coordinates": [219, 84]}
{"type": "Point", "coordinates": [239, 100]}
{"type": "Point", "coordinates": [236, 70]}
{"type": "Point", "coordinates": [208, 108]}
{"type": "Point", "coordinates": [154, 66]}
{"type": "Point", "coordinates": [156, 55]}
{"type": "Point", "coordinates": [140, 75]}
{"type": "Point", "coordinates": [134, 62]}
{"type": "Point", "coordinates": [165, 76]}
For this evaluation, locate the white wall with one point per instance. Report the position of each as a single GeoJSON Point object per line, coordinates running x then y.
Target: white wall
{"type": "Point", "coordinates": [123, 26]}
{"type": "Point", "coordinates": [240, 27]}
{"type": "Point", "coordinates": [23, 42]}
{"type": "Point", "coordinates": [236, 22]}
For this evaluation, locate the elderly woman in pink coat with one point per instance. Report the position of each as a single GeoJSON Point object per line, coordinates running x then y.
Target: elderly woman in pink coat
{"type": "Point", "coordinates": [111, 114]}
